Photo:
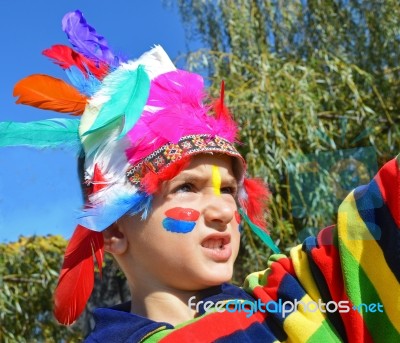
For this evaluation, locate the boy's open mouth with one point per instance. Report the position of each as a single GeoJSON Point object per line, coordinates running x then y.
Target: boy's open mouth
{"type": "Point", "coordinates": [216, 241]}
{"type": "Point", "coordinates": [217, 247]}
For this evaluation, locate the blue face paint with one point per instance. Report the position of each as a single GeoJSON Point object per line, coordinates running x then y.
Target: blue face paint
{"type": "Point", "coordinates": [179, 226]}
{"type": "Point", "coordinates": [180, 220]}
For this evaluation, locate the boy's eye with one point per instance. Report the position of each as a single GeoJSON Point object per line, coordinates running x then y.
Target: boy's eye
{"type": "Point", "coordinates": [229, 190]}
{"type": "Point", "coordinates": [185, 187]}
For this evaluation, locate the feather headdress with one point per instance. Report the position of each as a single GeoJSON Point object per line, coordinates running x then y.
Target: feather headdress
{"type": "Point", "coordinates": [126, 108]}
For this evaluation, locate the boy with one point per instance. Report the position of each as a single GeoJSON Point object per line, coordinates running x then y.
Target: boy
{"type": "Point", "coordinates": [167, 191]}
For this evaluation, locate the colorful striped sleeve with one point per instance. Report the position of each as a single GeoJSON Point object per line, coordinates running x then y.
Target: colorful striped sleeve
{"type": "Point", "coordinates": [353, 269]}
{"type": "Point", "coordinates": [369, 245]}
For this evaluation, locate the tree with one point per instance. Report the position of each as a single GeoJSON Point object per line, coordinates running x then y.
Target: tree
{"type": "Point", "coordinates": [29, 270]}
{"type": "Point", "coordinates": [28, 275]}
{"type": "Point", "coordinates": [314, 88]}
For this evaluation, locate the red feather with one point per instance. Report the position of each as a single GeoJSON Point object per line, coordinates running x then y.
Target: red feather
{"type": "Point", "coordinates": [66, 57]}
{"type": "Point", "coordinates": [48, 93]}
{"type": "Point", "coordinates": [151, 181]}
{"type": "Point", "coordinates": [256, 202]}
{"type": "Point", "coordinates": [99, 182]}
{"type": "Point", "coordinates": [222, 111]}
{"type": "Point", "coordinates": [77, 275]}
{"type": "Point", "coordinates": [219, 104]}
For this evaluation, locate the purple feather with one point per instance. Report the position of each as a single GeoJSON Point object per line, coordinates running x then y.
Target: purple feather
{"type": "Point", "coordinates": [86, 40]}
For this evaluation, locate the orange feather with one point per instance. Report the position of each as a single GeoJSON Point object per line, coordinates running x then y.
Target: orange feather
{"type": "Point", "coordinates": [77, 275]}
{"type": "Point", "coordinates": [49, 93]}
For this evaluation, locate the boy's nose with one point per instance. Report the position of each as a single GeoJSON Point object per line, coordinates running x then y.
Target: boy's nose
{"type": "Point", "coordinates": [218, 213]}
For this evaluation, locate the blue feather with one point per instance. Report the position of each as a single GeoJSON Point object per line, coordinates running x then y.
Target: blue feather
{"type": "Point", "coordinates": [100, 218]}
{"type": "Point", "coordinates": [129, 90]}
{"type": "Point", "coordinates": [86, 85]}
{"type": "Point", "coordinates": [50, 133]}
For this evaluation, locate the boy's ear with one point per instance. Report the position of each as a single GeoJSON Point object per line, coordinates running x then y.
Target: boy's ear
{"type": "Point", "coordinates": [115, 240]}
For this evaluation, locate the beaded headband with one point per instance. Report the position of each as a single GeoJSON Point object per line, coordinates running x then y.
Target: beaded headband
{"type": "Point", "coordinates": [171, 153]}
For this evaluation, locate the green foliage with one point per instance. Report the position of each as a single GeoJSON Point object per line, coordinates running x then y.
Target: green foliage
{"type": "Point", "coordinates": [313, 86]}
{"type": "Point", "coordinates": [29, 272]}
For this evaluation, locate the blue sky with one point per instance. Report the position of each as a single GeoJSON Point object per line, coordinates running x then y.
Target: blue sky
{"type": "Point", "coordinates": [39, 190]}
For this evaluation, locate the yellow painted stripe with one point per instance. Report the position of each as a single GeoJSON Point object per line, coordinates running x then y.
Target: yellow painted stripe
{"type": "Point", "coordinates": [355, 236]}
{"type": "Point", "coordinates": [303, 272]}
{"type": "Point", "coordinates": [216, 180]}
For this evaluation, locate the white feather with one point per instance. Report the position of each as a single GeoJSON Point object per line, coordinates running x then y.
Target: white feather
{"type": "Point", "coordinates": [106, 150]}
{"type": "Point", "coordinates": [155, 62]}
{"type": "Point", "coordinates": [111, 159]}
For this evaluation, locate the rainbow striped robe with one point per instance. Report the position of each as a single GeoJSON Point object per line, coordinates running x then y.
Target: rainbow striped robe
{"type": "Point", "coordinates": [356, 263]}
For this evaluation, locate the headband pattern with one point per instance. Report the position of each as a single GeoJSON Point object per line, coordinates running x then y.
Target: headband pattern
{"type": "Point", "coordinates": [171, 153]}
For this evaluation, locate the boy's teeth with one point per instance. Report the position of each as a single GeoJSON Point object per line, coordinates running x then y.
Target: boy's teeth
{"type": "Point", "coordinates": [214, 244]}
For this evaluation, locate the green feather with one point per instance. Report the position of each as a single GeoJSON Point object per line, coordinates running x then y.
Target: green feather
{"type": "Point", "coordinates": [51, 133]}
{"type": "Point", "coordinates": [260, 233]}
{"type": "Point", "coordinates": [128, 90]}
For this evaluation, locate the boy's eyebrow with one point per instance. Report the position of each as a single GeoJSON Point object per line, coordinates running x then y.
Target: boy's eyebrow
{"type": "Point", "coordinates": [191, 176]}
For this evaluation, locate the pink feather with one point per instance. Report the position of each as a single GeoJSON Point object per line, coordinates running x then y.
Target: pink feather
{"type": "Point", "coordinates": [179, 97]}
{"type": "Point", "coordinates": [177, 86]}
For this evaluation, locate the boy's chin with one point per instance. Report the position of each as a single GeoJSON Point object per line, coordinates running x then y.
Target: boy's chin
{"type": "Point", "coordinates": [219, 277]}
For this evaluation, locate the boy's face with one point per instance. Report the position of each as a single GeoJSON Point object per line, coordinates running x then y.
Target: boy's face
{"type": "Point", "coordinates": [191, 238]}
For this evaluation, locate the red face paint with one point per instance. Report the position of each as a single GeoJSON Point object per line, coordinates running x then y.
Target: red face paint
{"type": "Point", "coordinates": [186, 214]}
{"type": "Point", "coordinates": [237, 217]}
